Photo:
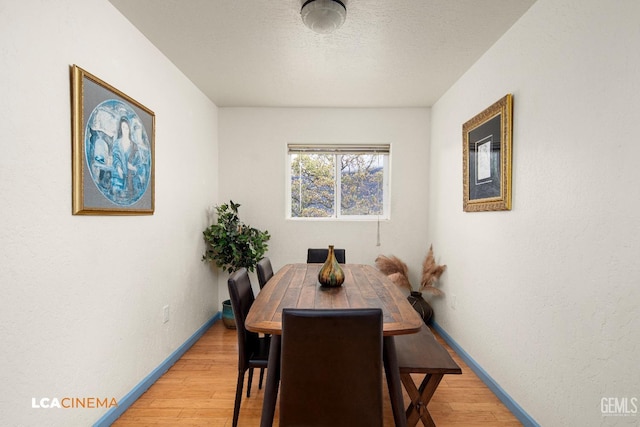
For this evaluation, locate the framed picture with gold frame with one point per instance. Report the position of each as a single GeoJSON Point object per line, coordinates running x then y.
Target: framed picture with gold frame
{"type": "Point", "coordinates": [113, 136]}
{"type": "Point", "coordinates": [487, 147]}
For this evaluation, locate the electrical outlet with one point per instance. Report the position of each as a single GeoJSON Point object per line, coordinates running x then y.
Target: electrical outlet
{"type": "Point", "coordinates": [165, 314]}
{"type": "Point", "coordinates": [454, 301]}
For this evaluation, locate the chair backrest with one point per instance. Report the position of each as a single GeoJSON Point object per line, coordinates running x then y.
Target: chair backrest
{"type": "Point", "coordinates": [331, 367]}
{"type": "Point", "coordinates": [320, 255]}
{"type": "Point", "coordinates": [242, 297]}
{"type": "Point", "coordinates": [265, 271]}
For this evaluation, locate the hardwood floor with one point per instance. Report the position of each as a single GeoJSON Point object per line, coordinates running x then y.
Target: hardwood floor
{"type": "Point", "coordinates": [199, 390]}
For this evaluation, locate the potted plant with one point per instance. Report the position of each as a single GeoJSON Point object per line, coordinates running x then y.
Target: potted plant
{"type": "Point", "coordinates": [397, 270]}
{"type": "Point", "coordinates": [231, 244]}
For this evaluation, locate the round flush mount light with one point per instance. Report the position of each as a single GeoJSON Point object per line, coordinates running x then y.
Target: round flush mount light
{"type": "Point", "coordinates": [323, 16]}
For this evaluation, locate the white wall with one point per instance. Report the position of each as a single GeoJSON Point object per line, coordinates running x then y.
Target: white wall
{"type": "Point", "coordinates": [82, 296]}
{"type": "Point", "coordinates": [547, 294]}
{"type": "Point", "coordinates": [253, 148]}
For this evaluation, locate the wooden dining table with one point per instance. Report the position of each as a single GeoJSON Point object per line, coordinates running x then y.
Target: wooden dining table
{"type": "Point", "coordinates": [296, 286]}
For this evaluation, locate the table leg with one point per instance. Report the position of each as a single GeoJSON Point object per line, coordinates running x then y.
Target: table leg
{"type": "Point", "coordinates": [273, 381]}
{"type": "Point", "coordinates": [393, 381]}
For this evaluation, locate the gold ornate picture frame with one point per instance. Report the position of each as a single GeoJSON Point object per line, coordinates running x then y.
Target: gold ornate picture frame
{"type": "Point", "coordinates": [113, 137]}
{"type": "Point", "coordinates": [487, 147]}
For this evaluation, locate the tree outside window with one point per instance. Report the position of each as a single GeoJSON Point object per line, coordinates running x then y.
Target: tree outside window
{"type": "Point", "coordinates": [328, 182]}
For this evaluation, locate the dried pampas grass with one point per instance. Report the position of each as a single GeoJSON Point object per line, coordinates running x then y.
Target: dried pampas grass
{"type": "Point", "coordinates": [400, 280]}
{"type": "Point", "coordinates": [397, 271]}
{"type": "Point", "coordinates": [391, 265]}
{"type": "Point", "coordinates": [431, 272]}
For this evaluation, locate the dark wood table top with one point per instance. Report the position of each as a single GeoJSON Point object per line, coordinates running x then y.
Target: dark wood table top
{"type": "Point", "coordinates": [296, 286]}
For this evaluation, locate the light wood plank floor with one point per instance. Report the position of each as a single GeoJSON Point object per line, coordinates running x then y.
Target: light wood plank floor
{"type": "Point", "coordinates": [199, 390]}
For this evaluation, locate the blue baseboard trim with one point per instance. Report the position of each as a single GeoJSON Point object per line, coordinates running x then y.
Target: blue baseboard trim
{"type": "Point", "coordinates": [511, 404]}
{"type": "Point", "coordinates": [123, 404]}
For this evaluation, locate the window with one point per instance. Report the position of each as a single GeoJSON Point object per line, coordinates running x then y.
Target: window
{"type": "Point", "coordinates": [338, 181]}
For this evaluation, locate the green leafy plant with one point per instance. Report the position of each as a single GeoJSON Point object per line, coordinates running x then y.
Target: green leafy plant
{"type": "Point", "coordinates": [231, 244]}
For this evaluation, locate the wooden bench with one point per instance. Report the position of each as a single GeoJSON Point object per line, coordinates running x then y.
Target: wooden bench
{"type": "Point", "coordinates": [421, 353]}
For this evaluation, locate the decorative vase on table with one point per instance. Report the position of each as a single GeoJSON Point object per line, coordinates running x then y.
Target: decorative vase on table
{"type": "Point", "coordinates": [331, 274]}
{"type": "Point", "coordinates": [421, 305]}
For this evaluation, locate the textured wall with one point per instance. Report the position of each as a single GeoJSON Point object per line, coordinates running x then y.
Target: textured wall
{"type": "Point", "coordinates": [83, 297]}
{"type": "Point", "coordinates": [547, 293]}
{"type": "Point", "coordinates": [253, 144]}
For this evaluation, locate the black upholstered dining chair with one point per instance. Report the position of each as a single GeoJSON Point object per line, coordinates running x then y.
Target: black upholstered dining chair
{"type": "Point", "coordinates": [265, 271]}
{"type": "Point", "coordinates": [253, 350]}
{"type": "Point", "coordinates": [331, 368]}
{"type": "Point", "coordinates": [320, 255]}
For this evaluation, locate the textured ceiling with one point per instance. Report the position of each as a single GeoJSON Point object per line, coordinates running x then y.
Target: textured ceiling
{"type": "Point", "coordinates": [400, 53]}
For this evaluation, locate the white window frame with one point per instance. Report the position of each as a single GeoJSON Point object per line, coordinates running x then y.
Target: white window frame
{"type": "Point", "coordinates": [340, 149]}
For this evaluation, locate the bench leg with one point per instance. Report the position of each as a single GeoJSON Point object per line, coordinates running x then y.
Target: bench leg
{"type": "Point", "coordinates": [420, 398]}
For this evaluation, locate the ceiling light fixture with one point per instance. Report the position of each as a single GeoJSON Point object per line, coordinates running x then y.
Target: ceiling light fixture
{"type": "Point", "coordinates": [323, 16]}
